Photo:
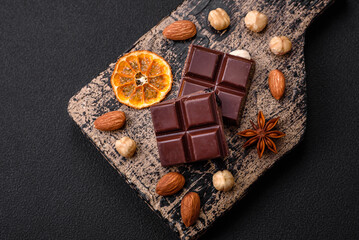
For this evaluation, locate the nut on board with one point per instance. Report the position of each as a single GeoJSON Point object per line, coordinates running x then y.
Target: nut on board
{"type": "Point", "coordinates": [280, 45]}
{"type": "Point", "coordinates": [223, 180]}
{"type": "Point", "coordinates": [241, 53]}
{"type": "Point", "coordinates": [180, 30]}
{"type": "Point", "coordinates": [219, 19]}
{"type": "Point", "coordinates": [276, 83]}
{"type": "Point", "coordinates": [190, 208]}
{"type": "Point", "coordinates": [256, 21]}
{"type": "Point", "coordinates": [110, 121]}
{"type": "Point", "coordinates": [126, 147]}
{"type": "Point", "coordinates": [170, 184]}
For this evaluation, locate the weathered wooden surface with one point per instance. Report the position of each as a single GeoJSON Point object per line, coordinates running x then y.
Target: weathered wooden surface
{"type": "Point", "coordinates": [287, 17]}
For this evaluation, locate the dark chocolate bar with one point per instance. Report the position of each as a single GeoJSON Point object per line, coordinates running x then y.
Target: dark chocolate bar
{"type": "Point", "coordinates": [189, 129]}
{"type": "Point", "coordinates": [228, 75]}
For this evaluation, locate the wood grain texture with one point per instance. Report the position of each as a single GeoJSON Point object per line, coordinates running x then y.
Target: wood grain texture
{"type": "Point", "coordinates": [286, 17]}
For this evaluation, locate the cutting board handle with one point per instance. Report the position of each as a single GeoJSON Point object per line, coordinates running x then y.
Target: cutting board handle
{"type": "Point", "coordinates": [304, 11]}
{"type": "Point", "coordinates": [311, 7]}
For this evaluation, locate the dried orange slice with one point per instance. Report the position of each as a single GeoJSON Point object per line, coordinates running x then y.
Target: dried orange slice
{"type": "Point", "coordinates": [141, 79]}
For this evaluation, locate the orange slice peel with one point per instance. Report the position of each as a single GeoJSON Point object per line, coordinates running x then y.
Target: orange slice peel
{"type": "Point", "coordinates": [141, 79]}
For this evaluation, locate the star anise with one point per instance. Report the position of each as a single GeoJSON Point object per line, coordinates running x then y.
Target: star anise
{"type": "Point", "coordinates": [262, 134]}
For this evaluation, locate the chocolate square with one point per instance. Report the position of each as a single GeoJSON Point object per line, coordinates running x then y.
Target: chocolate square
{"type": "Point", "coordinates": [228, 75]}
{"type": "Point", "coordinates": [204, 64]}
{"type": "Point", "coordinates": [170, 111]}
{"type": "Point", "coordinates": [192, 131]}
{"type": "Point", "coordinates": [195, 117]}
{"type": "Point", "coordinates": [189, 86]}
{"type": "Point", "coordinates": [172, 149]}
{"type": "Point", "coordinates": [230, 100]}
{"type": "Point", "coordinates": [234, 72]}
{"type": "Point", "coordinates": [204, 144]}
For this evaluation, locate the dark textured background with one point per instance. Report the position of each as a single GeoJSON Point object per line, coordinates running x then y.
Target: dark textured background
{"type": "Point", "coordinates": [55, 184]}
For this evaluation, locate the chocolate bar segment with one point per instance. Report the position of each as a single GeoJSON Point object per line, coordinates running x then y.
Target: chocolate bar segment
{"type": "Point", "coordinates": [205, 144]}
{"type": "Point", "coordinates": [172, 149]}
{"type": "Point", "coordinates": [228, 75]}
{"type": "Point", "coordinates": [189, 129]}
{"type": "Point", "coordinates": [204, 63]}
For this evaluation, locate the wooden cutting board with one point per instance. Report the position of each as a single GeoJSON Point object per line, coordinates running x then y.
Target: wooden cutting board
{"type": "Point", "coordinates": [286, 17]}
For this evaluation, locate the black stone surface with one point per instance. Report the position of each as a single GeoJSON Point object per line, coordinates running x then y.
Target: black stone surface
{"type": "Point", "coordinates": [54, 184]}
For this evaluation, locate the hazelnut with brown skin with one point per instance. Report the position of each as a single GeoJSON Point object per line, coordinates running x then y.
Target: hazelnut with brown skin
{"type": "Point", "coordinates": [126, 147]}
{"type": "Point", "coordinates": [223, 180]}
{"type": "Point", "coordinates": [280, 45]}
{"type": "Point", "coordinates": [256, 21]}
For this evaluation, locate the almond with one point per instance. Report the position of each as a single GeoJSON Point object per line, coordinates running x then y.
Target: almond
{"type": "Point", "coordinates": [170, 183]}
{"type": "Point", "coordinates": [180, 30]}
{"type": "Point", "coordinates": [110, 121]}
{"type": "Point", "coordinates": [190, 207]}
{"type": "Point", "coordinates": [276, 82]}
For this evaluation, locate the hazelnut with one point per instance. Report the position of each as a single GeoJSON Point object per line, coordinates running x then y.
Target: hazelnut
{"type": "Point", "coordinates": [256, 21]}
{"type": "Point", "coordinates": [280, 45]}
{"type": "Point", "coordinates": [219, 19]}
{"type": "Point", "coordinates": [241, 53]}
{"type": "Point", "coordinates": [126, 147]}
{"type": "Point", "coordinates": [223, 180]}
